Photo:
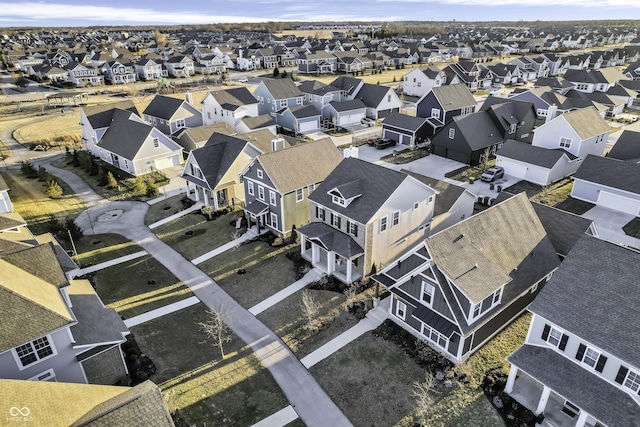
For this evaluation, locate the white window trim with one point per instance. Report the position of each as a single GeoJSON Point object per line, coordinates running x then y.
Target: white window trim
{"type": "Point", "coordinates": [49, 375]}
{"type": "Point", "coordinates": [401, 307]}
{"type": "Point", "coordinates": [565, 142]}
{"type": "Point", "coordinates": [587, 349]}
{"type": "Point", "coordinates": [259, 173]}
{"type": "Point", "coordinates": [636, 381]}
{"type": "Point", "coordinates": [272, 197]}
{"type": "Point", "coordinates": [395, 218]}
{"type": "Point", "coordinates": [472, 310]}
{"type": "Point", "coordinates": [299, 195]}
{"type": "Point", "coordinates": [338, 200]}
{"type": "Point", "coordinates": [426, 284]}
{"type": "Point", "coordinates": [431, 331]}
{"type": "Point", "coordinates": [274, 220]}
{"type": "Point", "coordinates": [551, 331]}
{"type": "Point", "coordinates": [250, 187]}
{"type": "Point", "coordinates": [261, 192]}
{"type": "Point", "coordinates": [452, 133]}
{"type": "Point", "coordinates": [21, 367]}
{"type": "Point", "coordinates": [384, 222]}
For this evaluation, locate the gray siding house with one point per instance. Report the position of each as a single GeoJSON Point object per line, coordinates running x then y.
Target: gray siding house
{"type": "Point", "coordinates": [170, 115]}
{"type": "Point", "coordinates": [274, 95]}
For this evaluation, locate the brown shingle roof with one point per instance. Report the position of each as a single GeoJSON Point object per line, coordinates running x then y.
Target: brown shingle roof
{"type": "Point", "coordinates": [587, 122]}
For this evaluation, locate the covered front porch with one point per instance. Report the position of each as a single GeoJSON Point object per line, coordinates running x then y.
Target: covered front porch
{"type": "Point", "coordinates": [331, 251]}
{"type": "Point", "coordinates": [567, 394]}
{"type": "Point", "coordinates": [217, 198]}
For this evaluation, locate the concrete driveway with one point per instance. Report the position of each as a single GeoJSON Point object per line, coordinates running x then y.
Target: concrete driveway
{"type": "Point", "coordinates": [609, 225]}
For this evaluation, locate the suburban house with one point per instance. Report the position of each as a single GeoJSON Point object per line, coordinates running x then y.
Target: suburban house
{"type": "Point", "coordinates": [169, 114]}
{"type": "Point", "coordinates": [515, 119]}
{"type": "Point", "coordinates": [320, 95]}
{"type": "Point", "coordinates": [250, 124]}
{"type": "Point", "coordinates": [577, 369]}
{"type": "Point", "coordinates": [67, 404]}
{"type": "Point", "coordinates": [277, 184]}
{"type": "Point", "coordinates": [419, 81]}
{"type": "Point", "coordinates": [96, 119]}
{"type": "Point", "coordinates": [462, 285]}
{"type": "Point", "coordinates": [471, 74]}
{"type": "Point", "coordinates": [608, 182]}
{"type": "Point", "coordinates": [212, 173]}
{"type": "Point", "coordinates": [380, 100]}
{"type": "Point", "coordinates": [5, 200]}
{"type": "Point", "coordinates": [345, 113]}
{"type": "Point", "coordinates": [192, 138]}
{"type": "Point", "coordinates": [180, 66]}
{"type": "Point", "coordinates": [319, 62]}
{"type": "Point", "coordinates": [116, 72]}
{"type": "Point", "coordinates": [134, 146]}
{"type": "Point", "coordinates": [443, 103]}
{"type": "Point", "coordinates": [363, 215]}
{"type": "Point", "coordinates": [405, 129]}
{"type": "Point", "coordinates": [229, 105]}
{"type": "Point", "coordinates": [82, 75]}
{"type": "Point", "coordinates": [148, 69]}
{"type": "Point", "coordinates": [274, 95]}
{"type": "Point", "coordinates": [348, 85]}
{"type": "Point", "coordinates": [298, 119]}
{"type": "Point", "coordinates": [57, 329]}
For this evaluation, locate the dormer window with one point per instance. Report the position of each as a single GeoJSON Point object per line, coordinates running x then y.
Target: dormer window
{"type": "Point", "coordinates": [512, 128]}
{"type": "Point", "coordinates": [338, 200]}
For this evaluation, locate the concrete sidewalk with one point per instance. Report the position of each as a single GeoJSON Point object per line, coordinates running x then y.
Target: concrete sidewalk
{"type": "Point", "coordinates": [250, 234]}
{"type": "Point", "coordinates": [373, 319]}
{"type": "Point", "coordinates": [115, 261]}
{"type": "Point", "coordinates": [174, 216]}
{"type": "Point", "coordinates": [159, 312]}
{"type": "Point", "coordinates": [312, 276]}
{"type": "Point", "coordinates": [280, 419]}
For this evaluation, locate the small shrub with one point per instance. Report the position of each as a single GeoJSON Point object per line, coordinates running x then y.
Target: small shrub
{"type": "Point", "coordinates": [28, 170]}
{"type": "Point", "coordinates": [111, 181]}
{"type": "Point", "coordinates": [53, 189]}
{"type": "Point", "coordinates": [72, 227]}
{"type": "Point", "coordinates": [43, 175]}
{"type": "Point", "coordinates": [139, 187]}
{"type": "Point", "coordinates": [152, 189]}
{"type": "Point", "coordinates": [53, 225]}
{"type": "Point", "coordinates": [94, 167]}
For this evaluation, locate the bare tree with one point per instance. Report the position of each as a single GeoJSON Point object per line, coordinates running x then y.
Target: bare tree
{"type": "Point", "coordinates": [216, 329]}
{"type": "Point", "coordinates": [310, 307]}
{"type": "Point", "coordinates": [351, 294]}
{"type": "Point", "coordinates": [424, 395]}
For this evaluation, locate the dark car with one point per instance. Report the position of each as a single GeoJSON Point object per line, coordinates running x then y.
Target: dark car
{"type": "Point", "coordinates": [373, 139]}
{"type": "Point", "coordinates": [384, 143]}
{"type": "Point", "coordinates": [492, 173]}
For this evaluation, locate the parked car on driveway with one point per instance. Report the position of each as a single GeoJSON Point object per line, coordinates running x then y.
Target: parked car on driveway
{"type": "Point", "coordinates": [367, 121]}
{"type": "Point", "coordinates": [373, 139]}
{"type": "Point", "coordinates": [384, 143]}
{"type": "Point", "coordinates": [492, 174]}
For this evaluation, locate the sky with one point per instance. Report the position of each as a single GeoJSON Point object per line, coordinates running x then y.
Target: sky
{"type": "Point", "coordinates": [72, 13]}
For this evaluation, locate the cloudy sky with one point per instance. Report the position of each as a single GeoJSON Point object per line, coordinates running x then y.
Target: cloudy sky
{"type": "Point", "coordinates": [167, 12]}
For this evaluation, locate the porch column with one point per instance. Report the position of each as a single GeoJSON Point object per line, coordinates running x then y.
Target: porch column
{"type": "Point", "coordinates": [511, 379]}
{"type": "Point", "coordinates": [582, 419]}
{"type": "Point", "coordinates": [315, 256]}
{"type": "Point", "coordinates": [187, 188]}
{"type": "Point", "coordinates": [542, 403]}
{"type": "Point", "coordinates": [205, 199]}
{"type": "Point", "coordinates": [214, 197]}
{"type": "Point", "coordinates": [196, 192]}
{"type": "Point", "coordinates": [331, 259]}
{"type": "Point", "coordinates": [349, 268]}
{"type": "Point", "coordinates": [303, 243]}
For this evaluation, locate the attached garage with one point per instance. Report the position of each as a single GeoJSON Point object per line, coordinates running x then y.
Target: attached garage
{"type": "Point", "coordinates": [404, 129]}
{"type": "Point", "coordinates": [512, 168]}
{"type": "Point", "coordinates": [619, 203]}
{"type": "Point", "coordinates": [309, 126]}
{"type": "Point", "coordinates": [163, 163]}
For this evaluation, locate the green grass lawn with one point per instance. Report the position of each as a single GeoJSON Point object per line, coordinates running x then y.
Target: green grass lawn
{"type": "Point", "coordinates": [206, 389]}
{"type": "Point", "coordinates": [103, 247]}
{"type": "Point", "coordinates": [206, 235]}
{"type": "Point", "coordinates": [30, 200]}
{"type": "Point", "coordinates": [267, 271]}
{"type": "Point", "coordinates": [286, 319]}
{"type": "Point", "coordinates": [557, 195]}
{"type": "Point", "coordinates": [134, 295]}
{"type": "Point", "coordinates": [92, 181]}
{"type": "Point", "coordinates": [163, 209]}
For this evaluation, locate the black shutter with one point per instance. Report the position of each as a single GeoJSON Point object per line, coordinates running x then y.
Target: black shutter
{"type": "Point", "coordinates": [355, 230]}
{"type": "Point", "coordinates": [348, 226]}
{"type": "Point", "coordinates": [545, 332]}
{"type": "Point", "coordinates": [580, 353]}
{"type": "Point", "coordinates": [601, 361]}
{"type": "Point", "coordinates": [563, 341]}
{"type": "Point", "coordinates": [622, 373]}
{"type": "Point", "coordinates": [331, 219]}
{"type": "Point", "coordinates": [317, 212]}
{"type": "Point", "coordinates": [339, 222]}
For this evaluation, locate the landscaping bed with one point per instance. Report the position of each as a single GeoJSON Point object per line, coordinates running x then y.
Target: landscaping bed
{"type": "Point", "coordinates": [557, 195]}
{"type": "Point", "coordinates": [407, 155]}
{"type": "Point", "coordinates": [197, 383]}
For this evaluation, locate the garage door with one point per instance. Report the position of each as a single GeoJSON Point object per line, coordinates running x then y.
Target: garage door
{"type": "Point", "coordinates": [405, 139]}
{"type": "Point", "coordinates": [163, 163]}
{"type": "Point", "coordinates": [513, 169]}
{"type": "Point", "coordinates": [349, 119]}
{"type": "Point", "coordinates": [308, 126]}
{"type": "Point", "coordinates": [391, 135]}
{"type": "Point", "coordinates": [619, 203]}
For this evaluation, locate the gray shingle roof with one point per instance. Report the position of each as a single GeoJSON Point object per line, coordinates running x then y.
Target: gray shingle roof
{"type": "Point", "coordinates": [261, 121]}
{"type": "Point", "coordinates": [478, 129]}
{"type": "Point", "coordinates": [372, 95]}
{"type": "Point", "coordinates": [332, 239]}
{"type": "Point", "coordinates": [303, 111]}
{"type": "Point", "coordinates": [610, 172]}
{"type": "Point", "coordinates": [100, 116]}
{"type": "Point", "coordinates": [454, 97]}
{"type": "Point", "coordinates": [218, 154]}
{"type": "Point", "coordinates": [236, 96]}
{"type": "Point", "coordinates": [354, 104]}
{"type": "Point", "coordinates": [378, 184]}
{"type": "Point", "coordinates": [627, 147]}
{"type": "Point", "coordinates": [563, 228]}
{"type": "Point", "coordinates": [595, 295]}
{"type": "Point", "coordinates": [447, 195]}
{"type": "Point", "coordinates": [606, 402]}
{"type": "Point", "coordinates": [528, 153]}
{"type": "Point", "coordinates": [404, 121]}
{"type": "Point", "coordinates": [163, 107]}
{"type": "Point", "coordinates": [125, 136]}
{"type": "Point", "coordinates": [282, 88]}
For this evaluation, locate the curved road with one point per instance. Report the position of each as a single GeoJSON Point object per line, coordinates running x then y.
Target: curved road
{"type": "Point", "coordinates": [308, 399]}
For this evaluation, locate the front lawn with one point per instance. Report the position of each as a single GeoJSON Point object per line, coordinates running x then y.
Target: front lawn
{"type": "Point", "coordinates": [99, 248]}
{"type": "Point", "coordinates": [206, 389]}
{"type": "Point", "coordinates": [557, 195]}
{"type": "Point", "coordinates": [164, 209]}
{"type": "Point", "coordinates": [192, 235]}
{"type": "Point", "coordinates": [266, 271]}
{"type": "Point", "coordinates": [138, 286]}
{"type": "Point", "coordinates": [30, 200]}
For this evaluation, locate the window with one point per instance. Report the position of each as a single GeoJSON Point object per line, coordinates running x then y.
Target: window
{"type": "Point", "coordinates": [274, 220]}
{"type": "Point", "coordinates": [250, 187]}
{"type": "Point", "coordinates": [310, 188]}
{"type": "Point", "coordinates": [419, 84]}
{"type": "Point", "coordinates": [336, 221]}
{"type": "Point", "coordinates": [591, 357]}
{"type": "Point", "coordinates": [261, 192]}
{"type": "Point", "coordinates": [299, 195]}
{"type": "Point", "coordinates": [632, 381]}
{"type": "Point", "coordinates": [319, 213]}
{"type": "Point", "coordinates": [565, 142]}
{"type": "Point", "coordinates": [401, 309]}
{"type": "Point", "coordinates": [126, 165]}
{"type": "Point", "coordinates": [299, 101]}
{"type": "Point", "coordinates": [434, 336]}
{"type": "Point", "coordinates": [156, 143]}
{"type": "Point", "coordinates": [272, 197]}
{"type": "Point", "coordinates": [476, 310]}
{"type": "Point", "coordinates": [284, 103]}
{"type": "Point", "coordinates": [34, 351]}
{"type": "Point", "coordinates": [209, 115]}
{"type": "Point", "coordinates": [496, 297]}
{"type": "Point", "coordinates": [388, 98]}
{"type": "Point", "coordinates": [338, 200]}
{"type": "Point", "coordinates": [555, 337]}
{"type": "Point", "coordinates": [352, 228]}
{"type": "Point", "coordinates": [383, 224]}
{"type": "Point", "coordinates": [435, 112]}
{"type": "Point", "coordinates": [48, 375]}
{"type": "Point", "coordinates": [427, 293]}
{"type": "Point", "coordinates": [430, 199]}
{"type": "Point", "coordinates": [452, 133]}
{"type": "Point", "coordinates": [512, 128]}
{"type": "Point", "coordinates": [180, 124]}
{"type": "Point", "coordinates": [395, 219]}
{"type": "Point", "coordinates": [259, 173]}
{"type": "Point", "coordinates": [416, 205]}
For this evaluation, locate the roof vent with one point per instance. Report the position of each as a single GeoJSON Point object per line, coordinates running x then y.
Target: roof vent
{"type": "Point", "coordinates": [458, 238]}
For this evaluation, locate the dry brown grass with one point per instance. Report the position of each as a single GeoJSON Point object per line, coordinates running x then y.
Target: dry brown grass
{"type": "Point", "coordinates": [321, 34]}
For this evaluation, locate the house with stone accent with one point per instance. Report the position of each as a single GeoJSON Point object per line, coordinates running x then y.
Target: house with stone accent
{"type": "Point", "coordinates": [579, 365]}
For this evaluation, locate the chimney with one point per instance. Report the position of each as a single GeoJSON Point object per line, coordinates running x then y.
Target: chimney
{"type": "Point", "coordinates": [277, 144]}
{"type": "Point", "coordinates": [350, 152]}
{"type": "Point", "coordinates": [552, 111]}
{"type": "Point", "coordinates": [188, 97]}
